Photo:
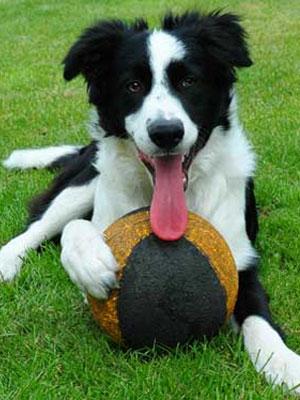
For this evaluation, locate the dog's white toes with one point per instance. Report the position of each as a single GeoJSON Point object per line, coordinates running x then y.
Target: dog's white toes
{"type": "Point", "coordinates": [89, 273]}
{"type": "Point", "coordinates": [9, 162]}
{"type": "Point", "coordinates": [88, 260]}
{"type": "Point", "coordinates": [283, 369]}
{"type": "Point", "coordinates": [10, 262]}
{"type": "Point", "coordinates": [15, 160]}
{"type": "Point", "coordinates": [270, 355]}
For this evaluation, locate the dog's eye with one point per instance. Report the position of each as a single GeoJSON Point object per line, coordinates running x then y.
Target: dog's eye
{"type": "Point", "coordinates": [187, 82]}
{"type": "Point", "coordinates": [134, 87]}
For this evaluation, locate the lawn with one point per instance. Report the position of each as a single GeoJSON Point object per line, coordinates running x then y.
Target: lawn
{"type": "Point", "coordinates": [50, 347]}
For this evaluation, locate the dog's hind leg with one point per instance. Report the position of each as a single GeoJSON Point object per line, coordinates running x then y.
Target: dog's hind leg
{"type": "Point", "coordinates": [40, 158]}
{"type": "Point", "coordinates": [262, 338]}
{"type": "Point", "coordinates": [71, 203]}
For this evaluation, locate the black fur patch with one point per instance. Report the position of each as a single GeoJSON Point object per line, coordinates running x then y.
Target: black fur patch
{"type": "Point", "coordinates": [215, 45]}
{"type": "Point", "coordinates": [251, 216]}
{"type": "Point", "coordinates": [78, 170]}
{"type": "Point", "coordinates": [219, 37]}
{"type": "Point", "coordinates": [109, 55]}
{"type": "Point", "coordinates": [252, 299]}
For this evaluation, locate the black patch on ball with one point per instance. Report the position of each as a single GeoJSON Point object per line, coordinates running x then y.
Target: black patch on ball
{"type": "Point", "coordinates": [169, 295]}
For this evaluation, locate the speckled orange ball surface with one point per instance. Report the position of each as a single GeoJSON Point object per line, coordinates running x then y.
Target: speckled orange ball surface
{"type": "Point", "coordinates": [170, 292]}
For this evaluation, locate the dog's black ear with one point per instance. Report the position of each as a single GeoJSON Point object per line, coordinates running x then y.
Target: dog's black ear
{"type": "Point", "coordinates": [96, 45]}
{"type": "Point", "coordinates": [221, 35]}
{"type": "Point", "coordinates": [226, 39]}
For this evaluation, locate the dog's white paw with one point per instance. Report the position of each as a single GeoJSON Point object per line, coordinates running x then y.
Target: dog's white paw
{"type": "Point", "coordinates": [15, 160]}
{"type": "Point", "coordinates": [284, 368]}
{"type": "Point", "coordinates": [11, 259]}
{"type": "Point", "coordinates": [87, 259]}
{"type": "Point", "coordinates": [269, 354]}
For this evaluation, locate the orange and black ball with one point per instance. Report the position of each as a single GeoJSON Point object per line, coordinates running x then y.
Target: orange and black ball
{"type": "Point", "coordinates": [170, 292]}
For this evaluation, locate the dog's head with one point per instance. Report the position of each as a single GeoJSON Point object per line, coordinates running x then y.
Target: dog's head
{"type": "Point", "coordinates": [165, 89]}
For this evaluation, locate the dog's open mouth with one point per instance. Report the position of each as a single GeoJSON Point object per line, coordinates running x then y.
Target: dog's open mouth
{"type": "Point", "coordinates": [168, 211]}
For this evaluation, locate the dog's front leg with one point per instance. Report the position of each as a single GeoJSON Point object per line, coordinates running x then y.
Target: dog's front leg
{"type": "Point", "coordinates": [87, 258]}
{"type": "Point", "coordinates": [262, 338]}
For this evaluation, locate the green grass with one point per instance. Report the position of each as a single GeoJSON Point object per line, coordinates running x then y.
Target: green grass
{"type": "Point", "coordinates": [50, 347]}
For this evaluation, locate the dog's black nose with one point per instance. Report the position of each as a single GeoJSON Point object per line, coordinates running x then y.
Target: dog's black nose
{"type": "Point", "coordinates": [166, 133]}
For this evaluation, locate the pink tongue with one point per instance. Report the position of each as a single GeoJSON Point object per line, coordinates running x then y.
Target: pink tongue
{"type": "Point", "coordinates": [168, 212]}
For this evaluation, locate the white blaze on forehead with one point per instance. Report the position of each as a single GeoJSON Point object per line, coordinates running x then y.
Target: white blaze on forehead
{"type": "Point", "coordinates": [161, 101]}
{"type": "Point", "coordinates": [163, 48]}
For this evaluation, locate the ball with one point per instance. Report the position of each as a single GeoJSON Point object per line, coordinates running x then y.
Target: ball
{"type": "Point", "coordinates": [170, 292]}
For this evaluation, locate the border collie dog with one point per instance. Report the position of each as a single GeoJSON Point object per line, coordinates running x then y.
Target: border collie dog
{"type": "Point", "coordinates": [165, 134]}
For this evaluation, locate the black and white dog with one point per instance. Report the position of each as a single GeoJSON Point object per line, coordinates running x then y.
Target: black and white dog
{"type": "Point", "coordinates": [165, 133]}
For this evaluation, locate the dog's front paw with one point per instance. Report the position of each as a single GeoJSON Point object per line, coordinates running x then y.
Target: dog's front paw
{"type": "Point", "coordinates": [11, 259]}
{"type": "Point", "coordinates": [87, 259]}
{"type": "Point", "coordinates": [283, 368]}
{"type": "Point", "coordinates": [269, 354]}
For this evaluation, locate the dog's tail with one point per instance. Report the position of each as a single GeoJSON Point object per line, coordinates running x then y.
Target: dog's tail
{"type": "Point", "coordinates": [47, 157]}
